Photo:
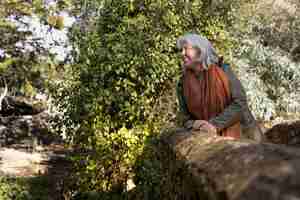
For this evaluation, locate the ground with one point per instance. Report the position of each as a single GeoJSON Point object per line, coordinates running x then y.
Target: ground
{"type": "Point", "coordinates": [35, 174]}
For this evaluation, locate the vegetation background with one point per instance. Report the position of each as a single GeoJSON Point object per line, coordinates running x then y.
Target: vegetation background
{"type": "Point", "coordinates": [113, 91]}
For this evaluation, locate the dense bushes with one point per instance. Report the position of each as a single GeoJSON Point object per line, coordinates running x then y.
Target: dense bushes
{"type": "Point", "coordinates": [119, 93]}
{"type": "Point", "coordinates": [121, 89]}
{"type": "Point", "coordinates": [266, 58]}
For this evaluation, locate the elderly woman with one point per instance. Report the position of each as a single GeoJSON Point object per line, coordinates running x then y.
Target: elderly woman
{"type": "Point", "coordinates": [210, 95]}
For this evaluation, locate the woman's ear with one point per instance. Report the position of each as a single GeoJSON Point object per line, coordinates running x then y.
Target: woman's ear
{"type": "Point", "coordinates": [198, 52]}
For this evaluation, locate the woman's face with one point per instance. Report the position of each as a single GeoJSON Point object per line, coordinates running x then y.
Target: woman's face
{"type": "Point", "coordinates": [189, 54]}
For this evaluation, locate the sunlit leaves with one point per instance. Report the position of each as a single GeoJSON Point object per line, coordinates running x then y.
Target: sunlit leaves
{"type": "Point", "coordinates": [56, 21]}
{"type": "Point", "coordinates": [127, 65]}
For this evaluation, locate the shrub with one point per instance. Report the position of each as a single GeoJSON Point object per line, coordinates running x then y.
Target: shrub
{"type": "Point", "coordinates": [121, 88]}
{"type": "Point", "coordinates": [264, 62]}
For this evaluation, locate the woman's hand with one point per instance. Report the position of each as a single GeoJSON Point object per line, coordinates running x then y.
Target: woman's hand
{"type": "Point", "coordinates": [204, 125]}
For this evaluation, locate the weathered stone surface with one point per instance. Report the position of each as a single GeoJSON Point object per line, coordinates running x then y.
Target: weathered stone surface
{"type": "Point", "coordinates": [21, 106]}
{"type": "Point", "coordinates": [287, 133]}
{"type": "Point", "coordinates": [223, 168]}
{"type": "Point", "coordinates": [17, 129]}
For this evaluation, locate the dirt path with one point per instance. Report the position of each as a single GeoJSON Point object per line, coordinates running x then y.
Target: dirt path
{"type": "Point", "coordinates": [49, 164]}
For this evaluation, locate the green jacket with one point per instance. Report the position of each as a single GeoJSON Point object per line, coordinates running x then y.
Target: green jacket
{"type": "Point", "coordinates": [238, 110]}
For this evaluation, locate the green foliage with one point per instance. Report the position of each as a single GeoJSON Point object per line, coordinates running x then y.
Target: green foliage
{"type": "Point", "coordinates": [114, 155]}
{"type": "Point", "coordinates": [19, 7]}
{"type": "Point", "coordinates": [56, 22]}
{"type": "Point", "coordinates": [121, 88]}
{"type": "Point", "coordinates": [23, 188]}
{"type": "Point", "coordinates": [27, 89]}
{"type": "Point", "coordinates": [266, 60]}
{"type": "Point", "coordinates": [5, 64]}
{"type": "Point", "coordinates": [129, 56]}
{"type": "Point", "coordinates": [149, 177]}
{"type": "Point", "coordinates": [26, 72]}
{"type": "Point", "coordinates": [26, 75]}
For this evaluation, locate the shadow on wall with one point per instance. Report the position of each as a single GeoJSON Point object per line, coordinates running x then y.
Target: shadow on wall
{"type": "Point", "coordinates": [285, 133]}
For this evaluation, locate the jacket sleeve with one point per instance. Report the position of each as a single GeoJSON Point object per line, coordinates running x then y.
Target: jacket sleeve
{"type": "Point", "coordinates": [182, 101]}
{"type": "Point", "coordinates": [233, 112]}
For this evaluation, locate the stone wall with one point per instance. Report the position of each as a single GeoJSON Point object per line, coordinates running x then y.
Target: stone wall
{"type": "Point", "coordinates": [206, 167]}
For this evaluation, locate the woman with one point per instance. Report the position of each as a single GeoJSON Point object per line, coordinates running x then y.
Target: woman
{"type": "Point", "coordinates": [210, 95]}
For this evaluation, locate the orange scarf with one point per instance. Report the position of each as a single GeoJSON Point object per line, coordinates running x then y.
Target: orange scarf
{"type": "Point", "coordinates": [208, 94]}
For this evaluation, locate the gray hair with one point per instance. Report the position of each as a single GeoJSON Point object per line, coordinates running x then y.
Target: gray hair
{"type": "Point", "coordinates": [208, 53]}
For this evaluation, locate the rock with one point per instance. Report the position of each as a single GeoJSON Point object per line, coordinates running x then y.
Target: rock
{"type": "Point", "coordinates": [287, 133]}
{"type": "Point", "coordinates": [2, 128]}
{"type": "Point", "coordinates": [3, 135]}
{"type": "Point", "coordinates": [21, 106]}
{"type": "Point", "coordinates": [222, 168]}
{"type": "Point", "coordinates": [15, 129]}
{"type": "Point", "coordinates": [296, 53]}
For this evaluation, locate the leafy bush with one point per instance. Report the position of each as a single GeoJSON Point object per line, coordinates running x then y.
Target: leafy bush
{"type": "Point", "coordinates": [122, 88]}
{"type": "Point", "coordinates": [271, 80]}
{"type": "Point", "coordinates": [32, 188]}
{"type": "Point", "coordinates": [264, 62]}
{"type": "Point", "coordinates": [27, 63]}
